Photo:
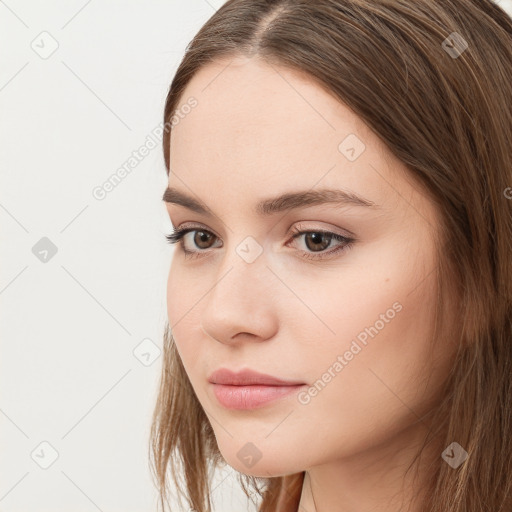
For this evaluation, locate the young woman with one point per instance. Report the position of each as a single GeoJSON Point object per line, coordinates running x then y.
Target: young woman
{"type": "Point", "coordinates": [339, 301]}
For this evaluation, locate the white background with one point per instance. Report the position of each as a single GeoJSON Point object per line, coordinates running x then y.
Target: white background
{"type": "Point", "coordinates": [69, 326]}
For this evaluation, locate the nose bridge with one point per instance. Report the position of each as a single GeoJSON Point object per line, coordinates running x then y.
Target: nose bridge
{"type": "Point", "coordinates": [240, 299]}
{"type": "Point", "coordinates": [243, 272]}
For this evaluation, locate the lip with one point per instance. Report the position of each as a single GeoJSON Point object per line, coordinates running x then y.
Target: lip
{"type": "Point", "coordinates": [249, 389]}
{"type": "Point", "coordinates": [248, 377]}
{"type": "Point", "coordinates": [251, 397]}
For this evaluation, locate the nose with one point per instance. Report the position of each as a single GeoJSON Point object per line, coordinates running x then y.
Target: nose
{"type": "Point", "coordinates": [241, 305]}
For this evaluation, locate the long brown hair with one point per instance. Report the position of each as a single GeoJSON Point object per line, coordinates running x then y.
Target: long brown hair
{"type": "Point", "coordinates": [444, 110]}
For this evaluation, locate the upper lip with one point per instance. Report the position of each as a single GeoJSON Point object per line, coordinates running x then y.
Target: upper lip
{"type": "Point", "coordinates": [247, 377]}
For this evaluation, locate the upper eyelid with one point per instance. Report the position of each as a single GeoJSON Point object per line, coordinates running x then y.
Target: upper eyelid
{"type": "Point", "coordinates": [191, 226]}
{"type": "Point", "coordinates": [194, 227]}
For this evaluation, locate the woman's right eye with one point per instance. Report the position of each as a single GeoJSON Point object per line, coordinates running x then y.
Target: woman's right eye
{"type": "Point", "coordinates": [201, 237]}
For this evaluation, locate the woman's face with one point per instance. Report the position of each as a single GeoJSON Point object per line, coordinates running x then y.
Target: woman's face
{"type": "Point", "coordinates": [352, 322]}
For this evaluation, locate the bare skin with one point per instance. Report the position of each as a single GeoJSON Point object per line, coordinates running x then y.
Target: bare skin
{"type": "Point", "coordinates": [259, 131]}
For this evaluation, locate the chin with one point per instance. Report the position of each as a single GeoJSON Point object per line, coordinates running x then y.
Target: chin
{"type": "Point", "coordinates": [249, 461]}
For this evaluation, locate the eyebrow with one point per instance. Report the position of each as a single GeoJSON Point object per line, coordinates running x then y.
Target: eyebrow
{"type": "Point", "coordinates": [282, 203]}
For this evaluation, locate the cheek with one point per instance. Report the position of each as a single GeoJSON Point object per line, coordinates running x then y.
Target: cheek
{"type": "Point", "coordinates": [175, 286]}
{"type": "Point", "coordinates": [379, 293]}
{"type": "Point", "coordinates": [183, 294]}
{"type": "Point", "coordinates": [182, 313]}
{"type": "Point", "coordinates": [383, 328]}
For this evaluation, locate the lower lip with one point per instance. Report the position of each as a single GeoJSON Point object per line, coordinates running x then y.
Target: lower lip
{"type": "Point", "coordinates": [251, 397]}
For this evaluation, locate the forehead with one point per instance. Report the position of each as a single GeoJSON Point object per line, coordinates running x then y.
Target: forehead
{"type": "Point", "coordinates": [245, 104]}
{"type": "Point", "coordinates": [257, 127]}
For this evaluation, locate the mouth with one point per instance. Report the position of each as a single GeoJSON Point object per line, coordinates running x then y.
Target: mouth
{"type": "Point", "coordinates": [249, 389]}
{"type": "Point", "coordinates": [251, 397]}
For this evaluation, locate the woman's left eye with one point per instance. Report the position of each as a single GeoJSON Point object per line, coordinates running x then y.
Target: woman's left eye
{"type": "Point", "coordinates": [316, 241]}
{"type": "Point", "coordinates": [320, 239]}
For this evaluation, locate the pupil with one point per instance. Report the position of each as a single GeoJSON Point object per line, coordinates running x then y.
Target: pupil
{"type": "Point", "coordinates": [316, 238]}
{"type": "Point", "coordinates": [202, 236]}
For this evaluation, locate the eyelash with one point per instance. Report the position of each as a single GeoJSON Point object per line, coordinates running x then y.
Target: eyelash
{"type": "Point", "coordinates": [177, 237]}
